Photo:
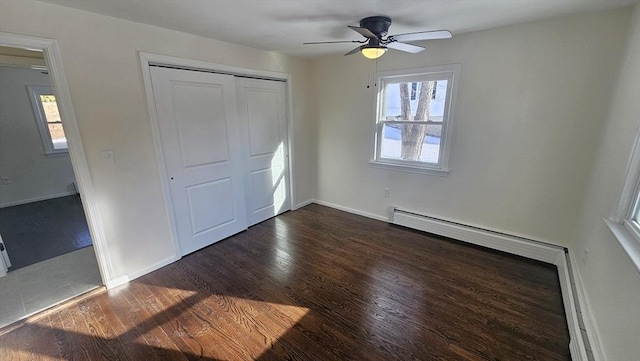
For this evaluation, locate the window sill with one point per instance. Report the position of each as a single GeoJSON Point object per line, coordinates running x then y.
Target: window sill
{"type": "Point", "coordinates": [408, 168]}
{"type": "Point", "coordinates": [628, 242]}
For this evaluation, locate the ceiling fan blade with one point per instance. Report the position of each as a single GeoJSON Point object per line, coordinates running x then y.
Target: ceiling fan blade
{"type": "Point", "coordinates": [405, 47]}
{"type": "Point", "coordinates": [363, 31]}
{"type": "Point", "coordinates": [334, 42]}
{"type": "Point", "coordinates": [423, 35]}
{"type": "Point", "coordinates": [354, 51]}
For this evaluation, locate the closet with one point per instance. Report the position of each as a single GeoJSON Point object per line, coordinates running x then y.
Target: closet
{"type": "Point", "coordinates": [225, 151]}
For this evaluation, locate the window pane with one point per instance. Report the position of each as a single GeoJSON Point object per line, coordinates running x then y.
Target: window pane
{"type": "Point", "coordinates": [428, 96]}
{"type": "Point", "coordinates": [50, 108]}
{"type": "Point", "coordinates": [401, 142]}
{"type": "Point", "coordinates": [57, 136]}
{"type": "Point", "coordinates": [391, 144]}
{"type": "Point", "coordinates": [636, 214]}
{"type": "Point", "coordinates": [431, 146]}
{"type": "Point", "coordinates": [54, 123]}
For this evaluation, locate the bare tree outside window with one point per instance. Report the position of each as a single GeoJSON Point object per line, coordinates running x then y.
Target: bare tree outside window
{"type": "Point", "coordinates": [413, 125]}
{"type": "Point", "coordinates": [413, 135]}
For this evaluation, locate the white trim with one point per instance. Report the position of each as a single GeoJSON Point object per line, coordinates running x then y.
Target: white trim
{"type": "Point", "coordinates": [116, 282]}
{"type": "Point", "coordinates": [630, 187]}
{"type": "Point", "coordinates": [157, 143]}
{"type": "Point", "coordinates": [79, 162]}
{"type": "Point", "coordinates": [139, 273]}
{"type": "Point", "coordinates": [3, 268]}
{"type": "Point", "coordinates": [4, 260]}
{"type": "Point", "coordinates": [148, 59]}
{"type": "Point", "coordinates": [576, 344]}
{"type": "Point", "coordinates": [621, 223]}
{"type": "Point", "coordinates": [183, 63]}
{"type": "Point", "coordinates": [404, 167]}
{"type": "Point", "coordinates": [628, 242]}
{"type": "Point", "coordinates": [302, 204]}
{"type": "Point", "coordinates": [585, 307]}
{"type": "Point", "coordinates": [452, 73]}
{"type": "Point", "coordinates": [37, 199]}
{"type": "Point", "coordinates": [351, 210]}
{"type": "Point", "coordinates": [153, 267]}
{"type": "Point", "coordinates": [290, 137]}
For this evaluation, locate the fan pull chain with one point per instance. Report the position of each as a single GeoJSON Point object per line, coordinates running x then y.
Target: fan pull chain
{"type": "Point", "coordinates": [375, 76]}
{"type": "Point", "coordinates": [369, 75]}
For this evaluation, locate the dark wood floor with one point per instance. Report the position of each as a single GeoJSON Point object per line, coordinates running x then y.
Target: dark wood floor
{"type": "Point", "coordinates": [38, 231]}
{"type": "Point", "coordinates": [315, 284]}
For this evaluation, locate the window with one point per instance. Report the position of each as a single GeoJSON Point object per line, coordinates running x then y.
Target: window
{"type": "Point", "coordinates": [48, 119]}
{"type": "Point", "coordinates": [624, 222]}
{"type": "Point", "coordinates": [414, 118]}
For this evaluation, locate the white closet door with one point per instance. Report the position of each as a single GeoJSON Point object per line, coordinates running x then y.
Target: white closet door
{"type": "Point", "coordinates": [198, 124]}
{"type": "Point", "coordinates": [263, 119]}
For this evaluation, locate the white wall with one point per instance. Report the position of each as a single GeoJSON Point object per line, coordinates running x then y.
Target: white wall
{"type": "Point", "coordinates": [33, 176]}
{"type": "Point", "coordinates": [522, 150]}
{"type": "Point", "coordinates": [529, 110]}
{"type": "Point", "coordinates": [611, 281]}
{"type": "Point", "coordinates": [100, 58]}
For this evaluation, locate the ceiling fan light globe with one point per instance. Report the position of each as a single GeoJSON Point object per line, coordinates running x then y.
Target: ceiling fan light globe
{"type": "Point", "coordinates": [373, 52]}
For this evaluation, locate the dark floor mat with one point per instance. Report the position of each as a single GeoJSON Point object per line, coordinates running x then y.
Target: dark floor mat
{"type": "Point", "coordinates": [37, 231]}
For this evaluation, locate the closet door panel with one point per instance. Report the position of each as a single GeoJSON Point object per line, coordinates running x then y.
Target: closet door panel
{"type": "Point", "coordinates": [203, 156]}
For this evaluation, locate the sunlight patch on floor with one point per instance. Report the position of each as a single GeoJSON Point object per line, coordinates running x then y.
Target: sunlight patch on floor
{"type": "Point", "coordinates": [251, 327]}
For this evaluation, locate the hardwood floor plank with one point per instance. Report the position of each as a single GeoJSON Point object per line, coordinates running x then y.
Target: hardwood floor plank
{"type": "Point", "coordinates": [134, 348]}
{"type": "Point", "coordinates": [72, 336]}
{"type": "Point", "coordinates": [317, 284]}
{"type": "Point", "coordinates": [269, 316]}
{"type": "Point", "coordinates": [143, 328]}
{"type": "Point", "coordinates": [197, 330]}
{"type": "Point", "coordinates": [105, 338]}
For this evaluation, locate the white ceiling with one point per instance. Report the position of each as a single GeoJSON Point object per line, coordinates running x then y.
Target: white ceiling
{"type": "Point", "coordinates": [283, 25]}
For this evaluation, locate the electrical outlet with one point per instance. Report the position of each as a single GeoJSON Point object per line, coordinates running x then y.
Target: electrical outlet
{"type": "Point", "coordinates": [387, 192]}
{"type": "Point", "coordinates": [6, 180]}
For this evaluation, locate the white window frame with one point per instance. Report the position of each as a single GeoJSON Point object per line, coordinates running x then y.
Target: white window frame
{"type": "Point", "coordinates": [35, 91]}
{"type": "Point", "coordinates": [449, 72]}
{"type": "Point", "coordinates": [621, 222]}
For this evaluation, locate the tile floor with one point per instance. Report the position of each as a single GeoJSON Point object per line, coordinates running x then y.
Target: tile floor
{"type": "Point", "coordinates": [31, 289]}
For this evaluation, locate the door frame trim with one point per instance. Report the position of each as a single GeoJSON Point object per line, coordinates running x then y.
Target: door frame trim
{"type": "Point", "coordinates": [149, 59]}
{"type": "Point", "coordinates": [53, 60]}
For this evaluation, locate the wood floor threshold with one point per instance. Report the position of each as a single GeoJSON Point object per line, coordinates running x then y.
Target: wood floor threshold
{"type": "Point", "coordinates": [53, 308]}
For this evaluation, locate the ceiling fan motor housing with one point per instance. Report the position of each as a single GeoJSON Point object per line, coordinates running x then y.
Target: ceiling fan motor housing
{"type": "Point", "coordinates": [378, 25]}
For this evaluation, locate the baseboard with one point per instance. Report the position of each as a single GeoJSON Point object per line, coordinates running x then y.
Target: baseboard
{"type": "Point", "coordinates": [37, 199]}
{"type": "Point", "coordinates": [302, 204]}
{"type": "Point", "coordinates": [139, 273]}
{"type": "Point", "coordinates": [116, 282]}
{"type": "Point", "coordinates": [351, 210]}
{"type": "Point", "coordinates": [577, 346]}
{"type": "Point", "coordinates": [585, 307]}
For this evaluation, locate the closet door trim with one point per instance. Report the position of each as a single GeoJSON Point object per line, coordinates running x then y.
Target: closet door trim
{"type": "Point", "coordinates": [149, 59]}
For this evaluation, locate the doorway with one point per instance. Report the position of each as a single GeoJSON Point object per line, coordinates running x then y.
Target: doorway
{"type": "Point", "coordinates": [42, 220]}
{"type": "Point", "coordinates": [223, 142]}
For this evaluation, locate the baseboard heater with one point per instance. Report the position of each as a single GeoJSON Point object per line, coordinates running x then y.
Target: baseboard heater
{"type": "Point", "coordinates": [521, 246]}
{"type": "Point", "coordinates": [513, 244]}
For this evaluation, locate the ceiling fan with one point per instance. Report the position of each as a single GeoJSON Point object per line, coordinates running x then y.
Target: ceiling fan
{"type": "Point", "coordinates": [375, 28]}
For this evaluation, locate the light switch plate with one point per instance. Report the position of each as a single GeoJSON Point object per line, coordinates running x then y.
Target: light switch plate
{"type": "Point", "coordinates": [108, 158]}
